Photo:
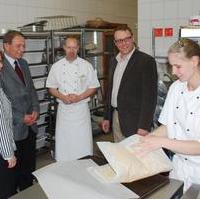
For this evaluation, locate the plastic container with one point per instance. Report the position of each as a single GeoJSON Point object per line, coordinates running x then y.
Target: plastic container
{"type": "Point", "coordinates": [195, 20]}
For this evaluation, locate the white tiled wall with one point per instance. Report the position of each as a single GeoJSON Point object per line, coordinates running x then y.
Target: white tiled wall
{"type": "Point", "coordinates": [164, 14]}
{"type": "Point", "coordinates": [15, 13]}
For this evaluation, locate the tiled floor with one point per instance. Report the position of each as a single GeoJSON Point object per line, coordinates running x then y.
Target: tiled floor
{"type": "Point", "coordinates": [44, 156]}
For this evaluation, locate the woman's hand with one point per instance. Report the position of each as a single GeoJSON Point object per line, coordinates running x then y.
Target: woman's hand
{"type": "Point", "coordinates": [12, 162]}
{"type": "Point", "coordinates": [148, 144]}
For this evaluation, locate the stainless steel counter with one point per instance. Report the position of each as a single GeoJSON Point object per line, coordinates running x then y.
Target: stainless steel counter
{"type": "Point", "coordinates": [192, 193]}
{"type": "Point", "coordinates": [172, 190]}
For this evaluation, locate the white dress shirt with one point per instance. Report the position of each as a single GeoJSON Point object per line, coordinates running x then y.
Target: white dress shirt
{"type": "Point", "coordinates": [119, 71]}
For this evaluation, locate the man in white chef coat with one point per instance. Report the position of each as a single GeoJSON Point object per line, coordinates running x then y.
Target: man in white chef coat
{"type": "Point", "coordinates": [72, 80]}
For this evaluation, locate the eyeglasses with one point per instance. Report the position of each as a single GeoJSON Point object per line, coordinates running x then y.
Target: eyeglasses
{"type": "Point", "coordinates": [121, 41]}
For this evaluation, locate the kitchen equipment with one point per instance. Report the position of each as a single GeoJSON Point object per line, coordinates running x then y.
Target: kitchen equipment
{"type": "Point", "coordinates": [59, 22]}
{"type": "Point", "coordinates": [34, 27]}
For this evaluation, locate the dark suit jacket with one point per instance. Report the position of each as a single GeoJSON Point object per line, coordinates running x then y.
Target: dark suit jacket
{"type": "Point", "coordinates": [23, 98]}
{"type": "Point", "coordinates": [137, 95]}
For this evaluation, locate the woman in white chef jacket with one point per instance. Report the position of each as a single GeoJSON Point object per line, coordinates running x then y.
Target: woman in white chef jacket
{"type": "Point", "coordinates": [180, 116]}
{"type": "Point", "coordinates": [72, 80]}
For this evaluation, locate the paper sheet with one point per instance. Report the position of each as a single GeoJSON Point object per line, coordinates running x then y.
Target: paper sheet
{"type": "Point", "coordinates": [72, 180]}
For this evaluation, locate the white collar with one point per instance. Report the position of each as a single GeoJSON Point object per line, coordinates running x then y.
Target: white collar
{"type": "Point", "coordinates": [10, 59]}
{"type": "Point", "coordinates": [126, 57]}
{"type": "Point", "coordinates": [75, 61]}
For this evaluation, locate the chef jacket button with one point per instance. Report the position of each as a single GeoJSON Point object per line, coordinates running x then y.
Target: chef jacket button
{"type": "Point", "coordinates": [174, 122]}
{"type": "Point", "coordinates": [197, 97]}
{"type": "Point", "coordinates": [185, 158]}
{"type": "Point", "coordinates": [188, 130]}
{"type": "Point", "coordinates": [182, 92]}
{"type": "Point", "coordinates": [191, 113]}
{"type": "Point", "coordinates": [177, 107]}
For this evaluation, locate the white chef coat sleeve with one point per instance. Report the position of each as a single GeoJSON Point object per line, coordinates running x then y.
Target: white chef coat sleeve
{"type": "Point", "coordinates": [166, 110]}
{"type": "Point", "coordinates": [52, 81]}
{"type": "Point", "coordinates": [93, 81]}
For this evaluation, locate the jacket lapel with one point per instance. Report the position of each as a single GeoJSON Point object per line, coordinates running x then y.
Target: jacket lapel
{"type": "Point", "coordinates": [9, 69]}
{"type": "Point", "coordinates": [130, 64]}
{"type": "Point", "coordinates": [114, 64]}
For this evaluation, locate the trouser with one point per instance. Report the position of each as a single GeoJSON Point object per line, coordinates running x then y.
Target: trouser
{"type": "Point", "coordinates": [26, 161]}
{"type": "Point", "coordinates": [117, 133]}
{"type": "Point", "coordinates": [7, 182]}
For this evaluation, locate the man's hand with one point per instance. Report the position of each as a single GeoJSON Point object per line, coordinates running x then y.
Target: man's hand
{"type": "Point", "coordinates": [71, 98]}
{"type": "Point", "coordinates": [75, 98]}
{"type": "Point", "coordinates": [66, 99]}
{"type": "Point", "coordinates": [30, 119]}
{"type": "Point", "coordinates": [142, 132]}
{"type": "Point", "coordinates": [34, 116]}
{"type": "Point", "coordinates": [105, 125]}
{"type": "Point", "coordinates": [12, 162]}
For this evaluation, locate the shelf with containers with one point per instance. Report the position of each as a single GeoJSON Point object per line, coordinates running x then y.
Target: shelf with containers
{"type": "Point", "coordinates": [37, 55]}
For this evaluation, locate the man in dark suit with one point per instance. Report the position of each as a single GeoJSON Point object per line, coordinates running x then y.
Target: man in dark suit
{"type": "Point", "coordinates": [18, 86]}
{"type": "Point", "coordinates": [132, 89]}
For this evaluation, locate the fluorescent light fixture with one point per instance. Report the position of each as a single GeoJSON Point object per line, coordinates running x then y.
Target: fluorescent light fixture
{"type": "Point", "coordinates": [190, 32]}
{"type": "Point", "coordinates": [95, 37]}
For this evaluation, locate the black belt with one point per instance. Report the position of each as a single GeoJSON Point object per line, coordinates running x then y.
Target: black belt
{"type": "Point", "coordinates": [115, 108]}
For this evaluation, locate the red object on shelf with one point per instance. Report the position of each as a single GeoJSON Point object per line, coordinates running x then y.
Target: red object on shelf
{"type": "Point", "coordinates": [158, 32]}
{"type": "Point", "coordinates": [168, 32]}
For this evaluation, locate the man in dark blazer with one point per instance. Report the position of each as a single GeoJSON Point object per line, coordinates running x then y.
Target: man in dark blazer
{"type": "Point", "coordinates": [20, 90]}
{"type": "Point", "coordinates": [132, 89]}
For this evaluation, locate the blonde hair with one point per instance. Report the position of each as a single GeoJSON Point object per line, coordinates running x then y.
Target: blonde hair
{"type": "Point", "coordinates": [186, 46]}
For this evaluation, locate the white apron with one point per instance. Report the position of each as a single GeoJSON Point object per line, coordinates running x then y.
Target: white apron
{"type": "Point", "coordinates": [73, 132]}
{"type": "Point", "coordinates": [73, 124]}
